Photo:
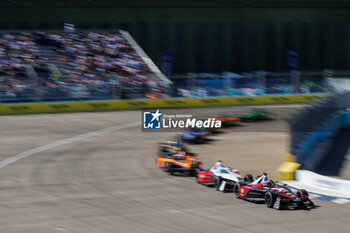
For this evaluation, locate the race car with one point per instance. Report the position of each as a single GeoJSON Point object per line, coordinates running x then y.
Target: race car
{"type": "Point", "coordinates": [194, 134]}
{"type": "Point", "coordinates": [256, 115]}
{"type": "Point", "coordinates": [173, 146]}
{"type": "Point", "coordinates": [227, 120]}
{"type": "Point", "coordinates": [221, 177]}
{"type": "Point", "coordinates": [274, 195]}
{"type": "Point", "coordinates": [178, 163]}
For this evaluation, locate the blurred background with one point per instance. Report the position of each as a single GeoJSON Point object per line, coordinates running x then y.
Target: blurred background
{"type": "Point", "coordinates": [50, 49]}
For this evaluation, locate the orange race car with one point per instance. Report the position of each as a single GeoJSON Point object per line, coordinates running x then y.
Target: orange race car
{"type": "Point", "coordinates": [178, 163]}
{"type": "Point", "coordinates": [227, 120]}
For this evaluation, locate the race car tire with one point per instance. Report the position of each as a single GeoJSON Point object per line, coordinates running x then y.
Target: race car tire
{"type": "Point", "coordinates": [171, 170]}
{"type": "Point", "coordinates": [191, 154]}
{"type": "Point", "coordinates": [270, 199]}
{"type": "Point", "coordinates": [217, 183]}
{"type": "Point", "coordinates": [166, 166]}
{"type": "Point", "coordinates": [160, 152]}
{"type": "Point", "coordinates": [193, 173]}
{"type": "Point", "coordinates": [247, 120]}
{"type": "Point", "coordinates": [303, 195]}
{"type": "Point", "coordinates": [248, 178]}
{"type": "Point", "coordinates": [236, 190]}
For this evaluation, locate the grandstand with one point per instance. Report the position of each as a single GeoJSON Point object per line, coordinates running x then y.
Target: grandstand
{"type": "Point", "coordinates": [256, 40]}
{"type": "Point", "coordinates": [56, 66]}
{"type": "Point", "coordinates": [76, 66]}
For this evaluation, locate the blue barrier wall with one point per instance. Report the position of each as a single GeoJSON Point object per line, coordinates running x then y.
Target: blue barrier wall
{"type": "Point", "coordinates": [317, 144]}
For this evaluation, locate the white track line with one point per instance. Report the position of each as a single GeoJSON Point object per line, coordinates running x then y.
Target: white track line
{"type": "Point", "coordinates": [65, 141]}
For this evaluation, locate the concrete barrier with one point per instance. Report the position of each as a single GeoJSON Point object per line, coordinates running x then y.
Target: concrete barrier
{"type": "Point", "coordinates": [287, 170]}
{"type": "Point", "coordinates": [323, 185]}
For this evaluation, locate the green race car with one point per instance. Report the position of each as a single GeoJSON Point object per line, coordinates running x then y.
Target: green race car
{"type": "Point", "coordinates": [256, 115]}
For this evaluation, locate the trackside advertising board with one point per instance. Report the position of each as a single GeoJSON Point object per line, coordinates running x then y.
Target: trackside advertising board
{"type": "Point", "coordinates": [113, 105]}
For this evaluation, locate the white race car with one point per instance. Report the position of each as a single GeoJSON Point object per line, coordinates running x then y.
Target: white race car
{"type": "Point", "coordinates": [225, 177]}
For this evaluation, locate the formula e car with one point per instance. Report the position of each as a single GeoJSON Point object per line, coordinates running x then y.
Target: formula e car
{"type": "Point", "coordinates": [227, 120]}
{"type": "Point", "coordinates": [256, 115]}
{"type": "Point", "coordinates": [274, 195]}
{"type": "Point", "coordinates": [174, 146]}
{"type": "Point", "coordinates": [221, 177]}
{"type": "Point", "coordinates": [178, 163]}
{"type": "Point", "coordinates": [194, 134]}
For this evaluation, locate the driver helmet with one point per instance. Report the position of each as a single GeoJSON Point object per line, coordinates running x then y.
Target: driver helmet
{"type": "Point", "coordinates": [271, 184]}
{"type": "Point", "coordinates": [219, 163]}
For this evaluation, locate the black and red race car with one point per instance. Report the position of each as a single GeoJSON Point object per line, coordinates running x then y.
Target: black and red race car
{"type": "Point", "coordinates": [274, 195]}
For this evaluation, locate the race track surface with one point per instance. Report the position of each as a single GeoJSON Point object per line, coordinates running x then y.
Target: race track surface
{"type": "Point", "coordinates": [107, 181]}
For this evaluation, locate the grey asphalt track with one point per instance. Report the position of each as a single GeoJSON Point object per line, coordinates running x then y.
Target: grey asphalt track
{"type": "Point", "coordinates": [109, 182]}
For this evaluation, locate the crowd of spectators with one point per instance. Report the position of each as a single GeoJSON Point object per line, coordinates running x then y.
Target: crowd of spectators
{"type": "Point", "coordinates": [103, 65]}
{"type": "Point", "coordinates": [16, 51]}
{"type": "Point", "coordinates": [90, 66]}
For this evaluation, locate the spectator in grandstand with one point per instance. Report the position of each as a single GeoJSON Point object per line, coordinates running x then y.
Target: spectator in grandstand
{"type": "Point", "coordinates": [16, 51]}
